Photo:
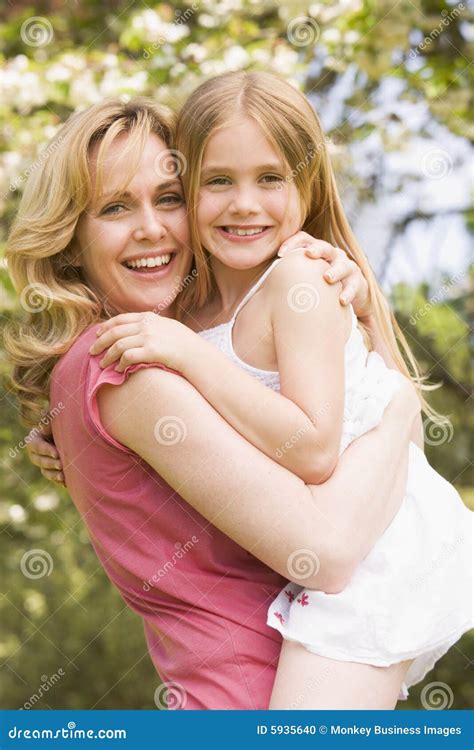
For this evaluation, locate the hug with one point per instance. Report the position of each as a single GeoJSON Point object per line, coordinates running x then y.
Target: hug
{"type": "Point", "coordinates": [235, 387]}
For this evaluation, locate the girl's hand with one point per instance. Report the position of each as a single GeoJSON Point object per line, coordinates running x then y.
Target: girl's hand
{"type": "Point", "coordinates": [133, 338]}
{"type": "Point", "coordinates": [355, 289]}
{"type": "Point", "coordinates": [43, 454]}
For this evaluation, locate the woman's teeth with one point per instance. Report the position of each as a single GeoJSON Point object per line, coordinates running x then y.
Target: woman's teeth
{"type": "Point", "coordinates": [243, 232]}
{"type": "Point", "coordinates": [160, 260]}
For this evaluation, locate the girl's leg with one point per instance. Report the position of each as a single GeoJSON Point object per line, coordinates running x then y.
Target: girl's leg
{"type": "Point", "coordinates": [308, 681]}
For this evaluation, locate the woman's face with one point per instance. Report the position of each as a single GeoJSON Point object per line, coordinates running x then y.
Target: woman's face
{"type": "Point", "coordinates": [247, 203]}
{"type": "Point", "coordinates": [133, 247]}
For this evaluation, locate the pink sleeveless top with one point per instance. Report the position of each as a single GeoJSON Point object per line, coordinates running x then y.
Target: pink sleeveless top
{"type": "Point", "coordinates": [203, 599]}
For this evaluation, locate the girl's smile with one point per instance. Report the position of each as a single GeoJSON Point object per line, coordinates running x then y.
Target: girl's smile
{"type": "Point", "coordinates": [247, 206]}
{"type": "Point", "coordinates": [244, 233]}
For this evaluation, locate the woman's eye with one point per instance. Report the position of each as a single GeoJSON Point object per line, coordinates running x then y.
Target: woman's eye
{"type": "Point", "coordinates": [272, 178]}
{"type": "Point", "coordinates": [110, 210]}
{"type": "Point", "coordinates": [171, 199]}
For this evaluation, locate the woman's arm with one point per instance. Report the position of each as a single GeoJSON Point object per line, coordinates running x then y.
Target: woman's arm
{"type": "Point", "coordinates": [41, 448]}
{"type": "Point", "coordinates": [259, 504]}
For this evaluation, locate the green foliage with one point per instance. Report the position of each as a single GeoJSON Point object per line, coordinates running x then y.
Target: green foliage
{"type": "Point", "coordinates": [73, 620]}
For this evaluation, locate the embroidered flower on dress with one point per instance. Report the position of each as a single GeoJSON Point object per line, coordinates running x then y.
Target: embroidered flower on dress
{"type": "Point", "coordinates": [279, 616]}
{"type": "Point", "coordinates": [290, 595]}
{"type": "Point", "coordinates": [304, 600]}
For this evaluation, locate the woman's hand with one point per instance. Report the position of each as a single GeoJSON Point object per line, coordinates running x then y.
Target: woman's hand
{"type": "Point", "coordinates": [355, 289]}
{"type": "Point", "coordinates": [133, 338]}
{"type": "Point", "coordinates": [43, 454]}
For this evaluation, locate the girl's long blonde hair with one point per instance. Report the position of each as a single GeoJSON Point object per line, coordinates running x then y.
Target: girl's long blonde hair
{"type": "Point", "coordinates": [292, 126]}
{"type": "Point", "coordinates": [40, 249]}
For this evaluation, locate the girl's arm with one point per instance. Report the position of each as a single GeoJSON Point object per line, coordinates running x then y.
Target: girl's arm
{"type": "Point", "coordinates": [259, 504]}
{"type": "Point", "coordinates": [300, 427]}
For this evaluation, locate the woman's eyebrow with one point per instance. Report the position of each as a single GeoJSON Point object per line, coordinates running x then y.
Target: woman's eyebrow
{"type": "Point", "coordinates": [127, 194]}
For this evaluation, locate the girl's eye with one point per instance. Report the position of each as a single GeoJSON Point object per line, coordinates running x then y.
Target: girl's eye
{"type": "Point", "coordinates": [171, 199]}
{"type": "Point", "coordinates": [272, 178]}
{"type": "Point", "coordinates": [218, 181]}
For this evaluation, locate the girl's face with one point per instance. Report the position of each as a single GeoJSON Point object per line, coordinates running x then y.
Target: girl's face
{"type": "Point", "coordinates": [134, 247]}
{"type": "Point", "coordinates": [246, 207]}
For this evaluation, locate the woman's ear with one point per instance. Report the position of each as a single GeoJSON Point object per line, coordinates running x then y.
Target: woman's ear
{"type": "Point", "coordinates": [74, 254]}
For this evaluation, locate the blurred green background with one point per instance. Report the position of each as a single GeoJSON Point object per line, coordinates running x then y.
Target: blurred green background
{"type": "Point", "coordinates": [391, 81]}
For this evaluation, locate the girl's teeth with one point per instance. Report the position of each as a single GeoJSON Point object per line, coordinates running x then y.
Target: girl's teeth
{"type": "Point", "coordinates": [244, 232]}
{"type": "Point", "coordinates": [161, 260]}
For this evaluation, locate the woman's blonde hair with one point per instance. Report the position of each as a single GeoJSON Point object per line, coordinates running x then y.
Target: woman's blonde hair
{"type": "Point", "coordinates": [40, 249]}
{"type": "Point", "coordinates": [292, 126]}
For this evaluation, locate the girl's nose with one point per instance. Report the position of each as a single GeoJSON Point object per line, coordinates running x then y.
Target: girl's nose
{"type": "Point", "coordinates": [149, 226]}
{"type": "Point", "coordinates": [244, 202]}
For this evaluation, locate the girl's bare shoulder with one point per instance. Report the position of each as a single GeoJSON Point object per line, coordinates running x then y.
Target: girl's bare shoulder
{"type": "Point", "coordinates": [296, 275]}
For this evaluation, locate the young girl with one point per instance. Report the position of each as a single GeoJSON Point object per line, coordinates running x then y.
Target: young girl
{"type": "Point", "coordinates": [257, 172]}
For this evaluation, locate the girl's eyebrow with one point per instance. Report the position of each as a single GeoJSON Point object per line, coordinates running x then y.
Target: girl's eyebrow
{"type": "Point", "coordinates": [270, 167]}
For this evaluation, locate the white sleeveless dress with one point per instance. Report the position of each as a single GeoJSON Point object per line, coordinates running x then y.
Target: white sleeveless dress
{"type": "Point", "coordinates": [411, 597]}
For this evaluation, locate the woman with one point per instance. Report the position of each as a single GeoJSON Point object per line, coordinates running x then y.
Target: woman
{"type": "Point", "coordinates": [201, 566]}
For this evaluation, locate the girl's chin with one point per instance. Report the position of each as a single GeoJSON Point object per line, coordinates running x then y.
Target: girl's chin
{"type": "Point", "coordinates": [244, 262]}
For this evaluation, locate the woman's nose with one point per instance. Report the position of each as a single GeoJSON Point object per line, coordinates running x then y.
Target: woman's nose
{"type": "Point", "coordinates": [149, 225]}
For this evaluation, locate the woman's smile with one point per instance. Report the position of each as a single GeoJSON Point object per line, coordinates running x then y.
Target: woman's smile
{"type": "Point", "coordinates": [133, 245]}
